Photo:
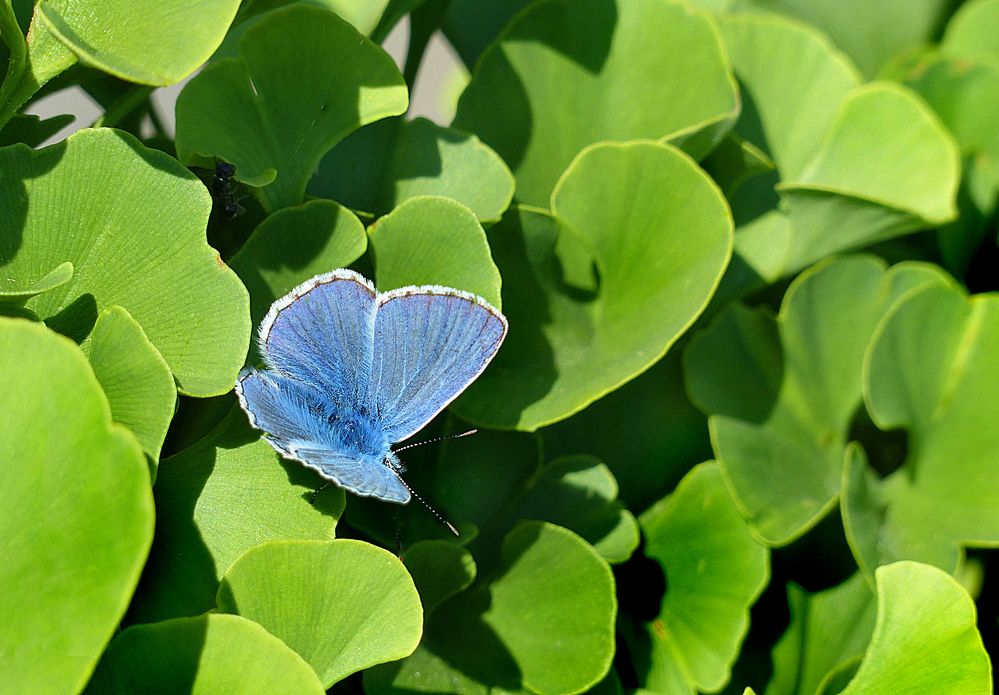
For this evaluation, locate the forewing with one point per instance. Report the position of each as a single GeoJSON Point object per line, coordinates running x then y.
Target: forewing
{"type": "Point", "coordinates": [430, 344]}
{"type": "Point", "coordinates": [322, 334]}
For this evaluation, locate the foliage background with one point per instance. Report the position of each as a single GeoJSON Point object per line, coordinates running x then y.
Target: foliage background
{"type": "Point", "coordinates": [741, 434]}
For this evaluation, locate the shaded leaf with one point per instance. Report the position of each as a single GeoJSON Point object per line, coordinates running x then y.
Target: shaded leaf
{"type": "Point", "coordinates": [293, 245]}
{"type": "Point", "coordinates": [829, 630]}
{"type": "Point", "coordinates": [544, 623]}
{"type": "Point", "coordinates": [929, 370]}
{"type": "Point", "coordinates": [202, 656]}
{"type": "Point", "coordinates": [869, 32]}
{"type": "Point", "coordinates": [381, 166]}
{"type": "Point", "coordinates": [440, 569]}
{"type": "Point", "coordinates": [580, 493]}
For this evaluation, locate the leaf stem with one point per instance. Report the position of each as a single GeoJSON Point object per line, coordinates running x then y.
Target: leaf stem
{"type": "Point", "coordinates": [10, 33]}
{"type": "Point", "coordinates": [124, 105]}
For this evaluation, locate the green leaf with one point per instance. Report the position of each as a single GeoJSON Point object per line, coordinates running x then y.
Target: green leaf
{"type": "Point", "coordinates": [275, 130]}
{"type": "Point", "coordinates": [869, 32]}
{"type": "Point", "coordinates": [778, 63]}
{"type": "Point", "coordinates": [597, 294]}
{"type": "Point", "coordinates": [216, 499]}
{"type": "Point", "coordinates": [544, 624]}
{"type": "Point", "coordinates": [440, 569]}
{"type": "Point", "coordinates": [76, 514]}
{"type": "Point", "coordinates": [781, 393]}
{"type": "Point", "coordinates": [714, 572]}
{"type": "Point", "coordinates": [971, 31]}
{"type": "Point", "coordinates": [343, 605]}
{"type": "Point", "coordinates": [925, 639]}
{"type": "Point", "coordinates": [554, 608]}
{"type": "Point", "coordinates": [878, 154]}
{"type": "Point", "coordinates": [383, 165]}
{"type": "Point", "coordinates": [829, 631]}
{"type": "Point", "coordinates": [132, 222]}
{"type": "Point", "coordinates": [857, 164]}
{"type": "Point", "coordinates": [135, 378]}
{"type": "Point", "coordinates": [143, 41]}
{"type": "Point", "coordinates": [202, 656]}
{"type": "Point", "coordinates": [929, 370]}
{"type": "Point", "coordinates": [433, 241]}
{"type": "Point", "coordinates": [558, 76]}
{"type": "Point", "coordinates": [293, 245]}
{"type": "Point", "coordinates": [57, 277]}
{"type": "Point", "coordinates": [580, 493]}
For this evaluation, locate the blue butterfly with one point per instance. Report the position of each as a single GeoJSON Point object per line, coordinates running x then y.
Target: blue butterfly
{"type": "Point", "coordinates": [351, 371]}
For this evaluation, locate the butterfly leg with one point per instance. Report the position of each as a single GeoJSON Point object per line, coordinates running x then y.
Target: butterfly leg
{"type": "Point", "coordinates": [315, 493]}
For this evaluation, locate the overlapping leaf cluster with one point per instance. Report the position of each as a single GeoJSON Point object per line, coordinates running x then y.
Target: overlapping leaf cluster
{"type": "Point", "coordinates": [745, 248]}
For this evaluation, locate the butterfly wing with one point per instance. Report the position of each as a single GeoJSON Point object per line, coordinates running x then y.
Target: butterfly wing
{"type": "Point", "coordinates": [368, 479]}
{"type": "Point", "coordinates": [430, 344]}
{"type": "Point", "coordinates": [286, 410]}
{"type": "Point", "coordinates": [322, 334]}
{"type": "Point", "coordinates": [279, 406]}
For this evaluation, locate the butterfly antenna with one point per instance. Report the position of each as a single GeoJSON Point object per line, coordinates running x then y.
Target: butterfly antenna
{"type": "Point", "coordinates": [435, 439]}
{"type": "Point", "coordinates": [433, 511]}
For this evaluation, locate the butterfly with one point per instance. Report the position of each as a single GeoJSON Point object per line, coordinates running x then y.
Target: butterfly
{"type": "Point", "coordinates": [352, 371]}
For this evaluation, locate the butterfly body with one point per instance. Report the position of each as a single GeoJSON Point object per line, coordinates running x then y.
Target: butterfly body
{"type": "Point", "coordinates": [352, 371]}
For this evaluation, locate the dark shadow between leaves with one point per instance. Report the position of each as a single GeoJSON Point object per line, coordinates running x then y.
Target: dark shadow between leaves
{"type": "Point", "coordinates": [588, 49]}
{"type": "Point", "coordinates": [356, 172]}
{"type": "Point", "coordinates": [457, 634]}
{"type": "Point", "coordinates": [648, 455]}
{"type": "Point", "coordinates": [581, 509]}
{"type": "Point", "coordinates": [504, 122]}
{"type": "Point", "coordinates": [179, 577]}
{"type": "Point", "coordinates": [641, 585]}
{"type": "Point", "coordinates": [523, 246]}
{"type": "Point", "coordinates": [886, 451]}
{"type": "Point", "coordinates": [77, 319]}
